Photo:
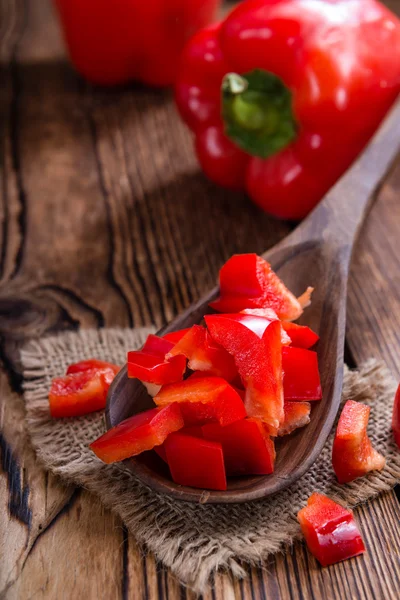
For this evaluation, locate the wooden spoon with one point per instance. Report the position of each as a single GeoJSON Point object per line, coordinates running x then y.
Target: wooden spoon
{"type": "Point", "coordinates": [317, 253]}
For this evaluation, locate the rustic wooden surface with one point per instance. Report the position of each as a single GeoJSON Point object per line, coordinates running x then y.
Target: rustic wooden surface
{"type": "Point", "coordinates": [106, 220]}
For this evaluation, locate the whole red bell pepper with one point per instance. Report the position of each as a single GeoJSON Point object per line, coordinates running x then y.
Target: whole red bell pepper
{"type": "Point", "coordinates": [330, 530]}
{"type": "Point", "coordinates": [283, 94]}
{"type": "Point", "coordinates": [114, 41]}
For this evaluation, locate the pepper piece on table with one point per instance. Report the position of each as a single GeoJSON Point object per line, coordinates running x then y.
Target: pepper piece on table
{"type": "Point", "coordinates": [396, 417]}
{"type": "Point", "coordinates": [247, 281]}
{"type": "Point", "coordinates": [283, 115]}
{"type": "Point", "coordinates": [330, 530]}
{"type": "Point", "coordinates": [258, 360]}
{"type": "Point", "coordinates": [297, 414]}
{"type": "Point", "coordinates": [132, 39]}
{"type": "Point", "coordinates": [195, 462]}
{"type": "Point", "coordinates": [150, 365]}
{"type": "Point", "coordinates": [137, 434]}
{"type": "Point", "coordinates": [204, 354]}
{"type": "Point", "coordinates": [301, 380]}
{"type": "Point", "coordinates": [353, 455]}
{"type": "Point", "coordinates": [80, 392]}
{"type": "Point", "coordinates": [247, 448]}
{"type": "Point", "coordinates": [203, 399]}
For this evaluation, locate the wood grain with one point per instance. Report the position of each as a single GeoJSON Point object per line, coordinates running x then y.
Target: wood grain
{"type": "Point", "coordinates": [98, 228]}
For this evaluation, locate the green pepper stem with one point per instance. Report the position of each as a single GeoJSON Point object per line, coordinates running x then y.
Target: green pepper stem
{"type": "Point", "coordinates": [257, 111]}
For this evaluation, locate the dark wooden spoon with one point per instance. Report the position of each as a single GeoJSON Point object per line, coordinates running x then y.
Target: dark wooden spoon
{"type": "Point", "coordinates": [317, 253]}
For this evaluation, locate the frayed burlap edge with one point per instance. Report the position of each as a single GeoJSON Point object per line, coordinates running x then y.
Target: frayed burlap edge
{"type": "Point", "coordinates": [193, 540]}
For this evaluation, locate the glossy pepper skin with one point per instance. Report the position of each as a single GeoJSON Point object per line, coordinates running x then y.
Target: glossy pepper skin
{"type": "Point", "coordinates": [352, 454]}
{"type": "Point", "coordinates": [396, 417]}
{"type": "Point", "coordinates": [330, 530]}
{"type": "Point", "coordinates": [339, 63]}
{"type": "Point", "coordinates": [112, 42]}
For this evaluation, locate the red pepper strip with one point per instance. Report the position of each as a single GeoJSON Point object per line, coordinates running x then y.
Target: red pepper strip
{"type": "Point", "coordinates": [301, 379]}
{"type": "Point", "coordinates": [195, 431]}
{"type": "Point", "coordinates": [259, 362]}
{"type": "Point", "coordinates": [297, 414]}
{"type": "Point", "coordinates": [300, 335]}
{"type": "Point", "coordinates": [352, 454]}
{"type": "Point", "coordinates": [132, 39]}
{"type": "Point", "coordinates": [270, 315]}
{"type": "Point", "coordinates": [141, 432]}
{"type": "Point", "coordinates": [396, 417]}
{"type": "Point", "coordinates": [195, 462]}
{"type": "Point", "coordinates": [80, 393]}
{"type": "Point", "coordinates": [149, 364]}
{"type": "Point", "coordinates": [309, 95]}
{"type": "Point", "coordinates": [204, 354]}
{"type": "Point", "coordinates": [203, 400]}
{"type": "Point", "coordinates": [247, 281]}
{"type": "Point", "coordinates": [330, 530]}
{"type": "Point", "coordinates": [175, 336]}
{"type": "Point", "coordinates": [247, 448]}
{"type": "Point", "coordinates": [92, 363]}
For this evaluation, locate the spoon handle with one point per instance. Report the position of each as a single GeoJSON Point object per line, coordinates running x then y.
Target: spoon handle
{"type": "Point", "coordinates": [339, 216]}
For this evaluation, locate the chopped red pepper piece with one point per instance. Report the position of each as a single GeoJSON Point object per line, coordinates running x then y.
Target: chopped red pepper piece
{"type": "Point", "coordinates": [270, 315]}
{"type": "Point", "coordinates": [92, 363]}
{"type": "Point", "coordinates": [203, 399]}
{"type": "Point", "coordinates": [247, 448]}
{"type": "Point", "coordinates": [196, 462]}
{"type": "Point", "coordinates": [204, 354]}
{"type": "Point", "coordinates": [259, 362]}
{"type": "Point", "coordinates": [301, 379]}
{"type": "Point", "coordinates": [175, 336]}
{"type": "Point", "coordinates": [150, 366]}
{"type": "Point", "coordinates": [396, 417]}
{"type": "Point", "coordinates": [141, 432]}
{"type": "Point", "coordinates": [194, 431]}
{"type": "Point", "coordinates": [300, 335]}
{"type": "Point", "coordinates": [80, 393]}
{"type": "Point", "coordinates": [297, 414]}
{"type": "Point", "coordinates": [247, 281]}
{"type": "Point", "coordinates": [353, 455]}
{"type": "Point", "coordinates": [330, 530]}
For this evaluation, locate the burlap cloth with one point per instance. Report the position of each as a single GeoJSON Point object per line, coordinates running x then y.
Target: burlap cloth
{"type": "Point", "coordinates": [193, 540]}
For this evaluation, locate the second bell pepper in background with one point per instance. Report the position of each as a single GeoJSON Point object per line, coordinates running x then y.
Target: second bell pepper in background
{"type": "Point", "coordinates": [283, 95]}
{"type": "Point", "coordinates": [115, 41]}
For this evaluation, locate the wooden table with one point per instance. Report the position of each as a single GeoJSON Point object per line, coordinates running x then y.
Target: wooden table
{"type": "Point", "coordinates": [106, 220]}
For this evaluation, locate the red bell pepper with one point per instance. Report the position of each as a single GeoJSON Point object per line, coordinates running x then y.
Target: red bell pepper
{"type": "Point", "coordinates": [353, 455]}
{"type": "Point", "coordinates": [300, 335]}
{"type": "Point", "coordinates": [247, 448]}
{"type": "Point", "coordinates": [115, 42]}
{"type": "Point", "coordinates": [301, 375]}
{"type": "Point", "coordinates": [195, 462]}
{"type": "Point", "coordinates": [283, 95]}
{"type": "Point", "coordinates": [194, 431]}
{"type": "Point", "coordinates": [259, 362]}
{"type": "Point", "coordinates": [150, 365]}
{"type": "Point", "coordinates": [270, 315]}
{"type": "Point", "coordinates": [141, 432]}
{"type": "Point", "coordinates": [330, 530]}
{"type": "Point", "coordinates": [80, 392]}
{"type": "Point", "coordinates": [203, 399]}
{"type": "Point", "coordinates": [92, 363]}
{"type": "Point", "coordinates": [247, 281]}
{"type": "Point", "coordinates": [396, 417]}
{"type": "Point", "coordinates": [175, 336]}
{"type": "Point", "coordinates": [204, 354]}
{"type": "Point", "coordinates": [297, 414]}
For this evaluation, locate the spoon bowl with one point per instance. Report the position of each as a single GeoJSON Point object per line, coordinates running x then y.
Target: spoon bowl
{"type": "Point", "coordinates": [317, 253]}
